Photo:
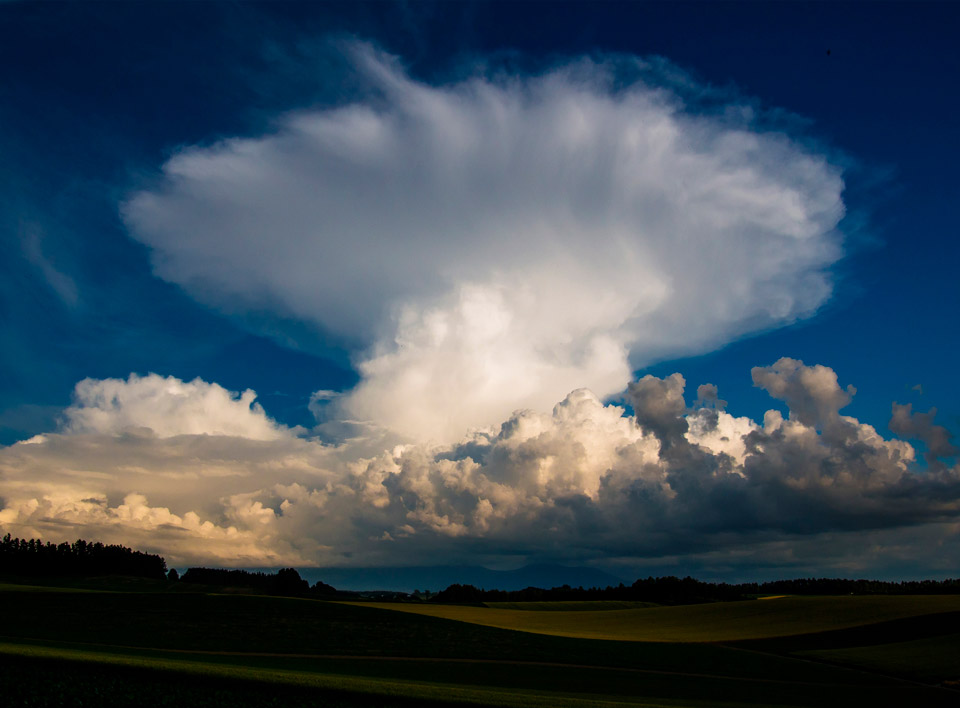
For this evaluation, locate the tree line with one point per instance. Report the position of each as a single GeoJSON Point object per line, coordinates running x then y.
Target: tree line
{"type": "Point", "coordinates": [665, 590]}
{"type": "Point", "coordinates": [34, 558]}
{"type": "Point", "coordinates": [843, 586]}
{"type": "Point", "coordinates": [286, 581]}
{"type": "Point", "coordinates": [683, 591]}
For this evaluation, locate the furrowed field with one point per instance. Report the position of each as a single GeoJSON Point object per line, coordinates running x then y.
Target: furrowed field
{"type": "Point", "coordinates": [65, 647]}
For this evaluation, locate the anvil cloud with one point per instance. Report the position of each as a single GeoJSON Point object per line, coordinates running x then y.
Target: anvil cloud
{"type": "Point", "coordinates": [493, 243]}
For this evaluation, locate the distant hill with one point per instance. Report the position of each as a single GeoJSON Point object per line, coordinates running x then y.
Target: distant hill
{"type": "Point", "coordinates": [437, 578]}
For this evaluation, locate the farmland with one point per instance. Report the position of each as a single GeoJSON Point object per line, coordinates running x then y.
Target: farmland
{"type": "Point", "coordinates": [201, 649]}
{"type": "Point", "coordinates": [712, 622]}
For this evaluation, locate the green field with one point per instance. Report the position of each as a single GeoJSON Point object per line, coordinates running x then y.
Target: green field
{"type": "Point", "coordinates": [571, 605]}
{"type": "Point", "coordinates": [713, 622]}
{"type": "Point", "coordinates": [928, 660]}
{"type": "Point", "coordinates": [99, 648]}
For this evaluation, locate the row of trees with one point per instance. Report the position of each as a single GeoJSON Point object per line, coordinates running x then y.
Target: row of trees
{"type": "Point", "coordinates": [286, 581]}
{"type": "Point", "coordinates": [35, 558]}
{"type": "Point", "coordinates": [665, 590]}
{"type": "Point", "coordinates": [684, 591]}
{"type": "Point", "coordinates": [842, 586]}
{"type": "Point", "coordinates": [32, 558]}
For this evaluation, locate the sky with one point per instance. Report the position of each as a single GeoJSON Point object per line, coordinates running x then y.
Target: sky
{"type": "Point", "coordinates": [646, 287]}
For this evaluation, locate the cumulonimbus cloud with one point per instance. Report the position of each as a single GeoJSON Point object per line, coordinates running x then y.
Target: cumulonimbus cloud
{"type": "Point", "coordinates": [493, 243]}
{"type": "Point", "coordinates": [585, 481]}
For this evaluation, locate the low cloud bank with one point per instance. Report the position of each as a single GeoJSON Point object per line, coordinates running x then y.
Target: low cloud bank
{"type": "Point", "coordinates": [585, 482]}
{"type": "Point", "coordinates": [495, 242]}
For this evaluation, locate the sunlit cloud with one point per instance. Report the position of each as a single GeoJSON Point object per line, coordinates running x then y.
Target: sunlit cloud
{"type": "Point", "coordinates": [585, 480]}
{"type": "Point", "coordinates": [167, 406]}
{"type": "Point", "coordinates": [492, 243]}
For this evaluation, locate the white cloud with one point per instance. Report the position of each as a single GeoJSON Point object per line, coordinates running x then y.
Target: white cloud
{"type": "Point", "coordinates": [491, 244]}
{"type": "Point", "coordinates": [585, 481]}
{"type": "Point", "coordinates": [167, 406]}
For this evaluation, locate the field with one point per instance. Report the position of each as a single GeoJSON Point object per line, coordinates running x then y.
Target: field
{"type": "Point", "coordinates": [713, 622]}
{"type": "Point", "coordinates": [105, 648]}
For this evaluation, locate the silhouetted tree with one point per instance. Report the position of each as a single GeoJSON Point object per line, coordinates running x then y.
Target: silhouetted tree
{"type": "Point", "coordinates": [321, 589]}
{"type": "Point", "coordinates": [289, 582]}
{"type": "Point", "coordinates": [672, 590]}
{"type": "Point", "coordinates": [80, 559]}
{"type": "Point", "coordinates": [286, 581]}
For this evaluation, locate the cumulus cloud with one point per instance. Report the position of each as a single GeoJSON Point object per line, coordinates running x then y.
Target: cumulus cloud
{"type": "Point", "coordinates": [492, 243]}
{"type": "Point", "coordinates": [920, 425]}
{"type": "Point", "coordinates": [584, 481]}
{"type": "Point", "coordinates": [811, 392]}
{"type": "Point", "coordinates": [167, 406]}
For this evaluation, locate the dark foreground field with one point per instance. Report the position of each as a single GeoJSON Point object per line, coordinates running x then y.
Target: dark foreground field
{"type": "Point", "coordinates": [118, 648]}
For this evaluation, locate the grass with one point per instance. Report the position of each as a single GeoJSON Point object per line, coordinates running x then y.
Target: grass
{"type": "Point", "coordinates": [486, 684]}
{"type": "Point", "coordinates": [328, 682]}
{"type": "Point", "coordinates": [571, 605]}
{"type": "Point", "coordinates": [17, 587]}
{"type": "Point", "coordinates": [931, 660]}
{"type": "Point", "coordinates": [245, 650]}
{"type": "Point", "coordinates": [53, 678]}
{"type": "Point", "coordinates": [286, 626]}
{"type": "Point", "coordinates": [714, 622]}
